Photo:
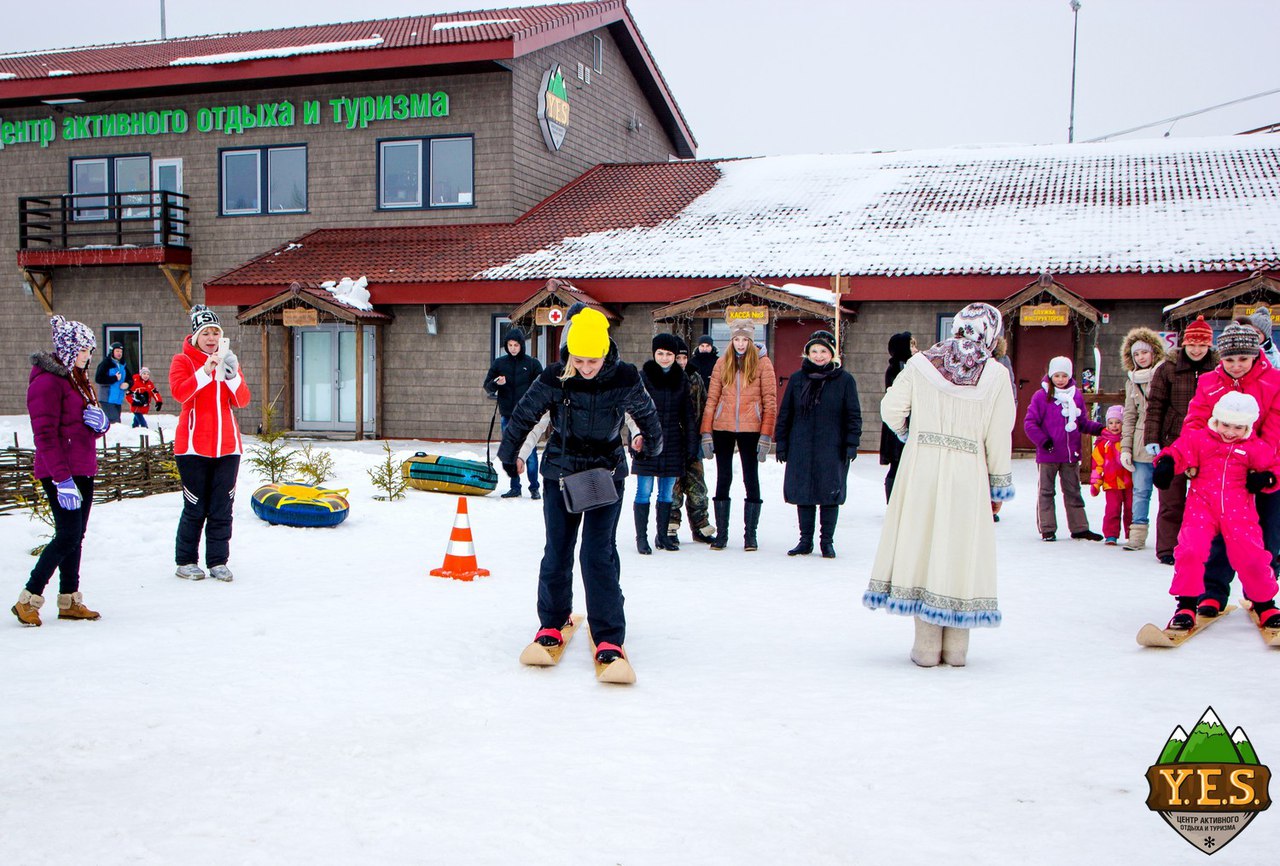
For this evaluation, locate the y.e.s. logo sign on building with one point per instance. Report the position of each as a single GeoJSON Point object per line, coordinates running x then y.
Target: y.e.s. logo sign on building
{"type": "Point", "coordinates": [1208, 785]}
{"type": "Point", "coordinates": [553, 108]}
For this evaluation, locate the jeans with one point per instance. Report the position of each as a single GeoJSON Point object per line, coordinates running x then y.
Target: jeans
{"type": "Point", "coordinates": [140, 420]}
{"type": "Point", "coordinates": [62, 553]}
{"type": "Point", "coordinates": [1142, 478]}
{"type": "Point", "coordinates": [530, 465]}
{"type": "Point", "coordinates": [1218, 571]}
{"type": "Point", "coordinates": [598, 558]}
{"type": "Point", "coordinates": [644, 487]}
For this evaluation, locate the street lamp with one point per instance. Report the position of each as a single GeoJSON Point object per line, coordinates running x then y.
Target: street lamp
{"type": "Point", "coordinates": [1075, 34]}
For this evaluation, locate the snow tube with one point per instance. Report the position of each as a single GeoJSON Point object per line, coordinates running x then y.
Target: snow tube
{"type": "Point", "coordinates": [300, 505]}
{"type": "Point", "coordinates": [448, 475]}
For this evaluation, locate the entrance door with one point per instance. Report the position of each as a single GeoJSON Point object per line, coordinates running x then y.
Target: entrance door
{"type": "Point", "coordinates": [1032, 349]}
{"type": "Point", "coordinates": [166, 174]}
{"type": "Point", "coordinates": [789, 337]}
{"type": "Point", "coordinates": [325, 382]}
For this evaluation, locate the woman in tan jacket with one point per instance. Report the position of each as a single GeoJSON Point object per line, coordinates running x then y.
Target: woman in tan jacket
{"type": "Point", "coordinates": [742, 403]}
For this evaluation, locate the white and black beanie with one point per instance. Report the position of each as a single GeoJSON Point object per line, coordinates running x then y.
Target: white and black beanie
{"type": "Point", "coordinates": [202, 317]}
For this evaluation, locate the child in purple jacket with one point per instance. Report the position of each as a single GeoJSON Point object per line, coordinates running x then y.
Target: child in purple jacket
{"type": "Point", "coordinates": [1055, 419]}
{"type": "Point", "coordinates": [66, 422]}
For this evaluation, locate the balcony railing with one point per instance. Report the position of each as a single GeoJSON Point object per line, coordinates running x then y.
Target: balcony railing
{"type": "Point", "coordinates": [146, 218]}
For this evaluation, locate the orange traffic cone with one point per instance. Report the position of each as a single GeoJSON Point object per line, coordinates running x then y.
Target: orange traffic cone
{"type": "Point", "coordinates": [460, 558]}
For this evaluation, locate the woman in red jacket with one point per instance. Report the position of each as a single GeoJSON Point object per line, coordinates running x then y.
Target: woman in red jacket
{"type": "Point", "coordinates": [205, 378]}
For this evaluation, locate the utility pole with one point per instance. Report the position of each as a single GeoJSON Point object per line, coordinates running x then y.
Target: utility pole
{"type": "Point", "coordinates": [162, 33]}
{"type": "Point", "coordinates": [1075, 38]}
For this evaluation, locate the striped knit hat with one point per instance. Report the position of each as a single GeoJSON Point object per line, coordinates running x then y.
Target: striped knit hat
{"type": "Point", "coordinates": [1198, 333]}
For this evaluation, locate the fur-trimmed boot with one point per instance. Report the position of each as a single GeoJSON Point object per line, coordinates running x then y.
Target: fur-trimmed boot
{"type": "Point", "coordinates": [722, 524]}
{"type": "Point", "coordinates": [27, 610]}
{"type": "Point", "coordinates": [71, 606]}
{"type": "Point", "coordinates": [750, 520]}
{"type": "Point", "coordinates": [927, 651]}
{"type": "Point", "coordinates": [665, 539]}
{"type": "Point", "coordinates": [641, 511]}
{"type": "Point", "coordinates": [1137, 537]}
{"type": "Point", "coordinates": [955, 646]}
{"type": "Point", "coordinates": [828, 515]}
{"type": "Point", "coordinates": [808, 516]}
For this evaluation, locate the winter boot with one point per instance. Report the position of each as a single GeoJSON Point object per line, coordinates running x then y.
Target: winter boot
{"type": "Point", "coordinates": [706, 534]}
{"type": "Point", "coordinates": [71, 606]}
{"type": "Point", "coordinates": [750, 520]}
{"type": "Point", "coordinates": [664, 540]}
{"type": "Point", "coordinates": [190, 572]}
{"type": "Point", "coordinates": [722, 524]}
{"type": "Point", "coordinates": [513, 493]}
{"type": "Point", "coordinates": [27, 610]}
{"type": "Point", "coordinates": [808, 515]}
{"type": "Point", "coordinates": [826, 542]}
{"type": "Point", "coordinates": [927, 652]}
{"type": "Point", "coordinates": [642, 528]}
{"type": "Point", "coordinates": [1267, 612]}
{"type": "Point", "coordinates": [1090, 535]}
{"type": "Point", "coordinates": [1137, 537]}
{"type": "Point", "coordinates": [221, 572]}
{"type": "Point", "coordinates": [955, 646]}
{"type": "Point", "coordinates": [1208, 608]}
{"type": "Point", "coordinates": [1184, 618]}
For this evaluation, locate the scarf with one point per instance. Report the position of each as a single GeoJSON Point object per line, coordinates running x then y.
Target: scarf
{"type": "Point", "coordinates": [1142, 378]}
{"type": "Point", "coordinates": [959, 361]}
{"type": "Point", "coordinates": [815, 379]}
{"type": "Point", "coordinates": [1066, 400]}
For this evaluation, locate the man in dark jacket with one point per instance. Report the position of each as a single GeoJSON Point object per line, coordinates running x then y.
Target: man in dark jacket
{"type": "Point", "coordinates": [691, 489]}
{"type": "Point", "coordinates": [704, 359]}
{"type": "Point", "coordinates": [112, 378]}
{"type": "Point", "coordinates": [508, 379]}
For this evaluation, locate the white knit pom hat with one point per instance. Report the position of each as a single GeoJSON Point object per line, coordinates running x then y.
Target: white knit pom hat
{"type": "Point", "coordinates": [1236, 407]}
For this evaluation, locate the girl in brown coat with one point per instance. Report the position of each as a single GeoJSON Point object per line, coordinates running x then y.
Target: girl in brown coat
{"type": "Point", "coordinates": [742, 403]}
{"type": "Point", "coordinates": [1141, 353]}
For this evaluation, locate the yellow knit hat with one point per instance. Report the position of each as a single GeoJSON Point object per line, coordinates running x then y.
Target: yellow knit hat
{"type": "Point", "coordinates": [588, 334]}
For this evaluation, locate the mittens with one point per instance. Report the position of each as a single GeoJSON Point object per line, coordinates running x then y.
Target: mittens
{"type": "Point", "coordinates": [763, 448]}
{"type": "Point", "coordinates": [95, 419]}
{"type": "Point", "coordinates": [708, 449]}
{"type": "Point", "coordinates": [1126, 460]}
{"type": "Point", "coordinates": [1152, 448]}
{"type": "Point", "coordinates": [230, 365]}
{"type": "Point", "coordinates": [68, 495]}
{"type": "Point", "coordinates": [1162, 473]}
{"type": "Point", "coordinates": [1048, 445]}
{"type": "Point", "coordinates": [1256, 482]}
{"type": "Point", "coordinates": [1094, 490]}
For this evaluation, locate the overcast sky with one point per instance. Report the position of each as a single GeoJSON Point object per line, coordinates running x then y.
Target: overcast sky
{"type": "Point", "coordinates": [756, 77]}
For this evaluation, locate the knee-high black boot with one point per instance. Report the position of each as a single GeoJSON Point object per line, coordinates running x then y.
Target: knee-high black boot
{"type": "Point", "coordinates": [750, 520]}
{"type": "Point", "coordinates": [722, 524]}
{"type": "Point", "coordinates": [642, 528]}
{"type": "Point", "coordinates": [663, 540]}
{"type": "Point", "coordinates": [829, 515]}
{"type": "Point", "coordinates": [808, 515]}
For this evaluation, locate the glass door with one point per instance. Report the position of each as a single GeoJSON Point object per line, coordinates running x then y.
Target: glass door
{"type": "Point", "coordinates": [166, 174]}
{"type": "Point", "coordinates": [325, 378]}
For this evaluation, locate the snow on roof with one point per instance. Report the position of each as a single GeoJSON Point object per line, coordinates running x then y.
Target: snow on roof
{"type": "Point", "coordinates": [822, 296]}
{"type": "Point", "coordinates": [288, 51]}
{"type": "Point", "coordinates": [1188, 299]}
{"type": "Point", "coordinates": [1134, 206]}
{"type": "Point", "coordinates": [479, 22]}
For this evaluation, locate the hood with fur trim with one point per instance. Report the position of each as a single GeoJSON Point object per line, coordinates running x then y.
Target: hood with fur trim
{"type": "Point", "coordinates": [1145, 335]}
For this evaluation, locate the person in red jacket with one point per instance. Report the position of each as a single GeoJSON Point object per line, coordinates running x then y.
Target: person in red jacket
{"type": "Point", "coordinates": [142, 392]}
{"type": "Point", "coordinates": [205, 378]}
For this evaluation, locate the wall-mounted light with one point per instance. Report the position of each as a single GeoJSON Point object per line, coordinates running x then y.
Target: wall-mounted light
{"type": "Point", "coordinates": [433, 327]}
{"type": "Point", "coordinates": [68, 101]}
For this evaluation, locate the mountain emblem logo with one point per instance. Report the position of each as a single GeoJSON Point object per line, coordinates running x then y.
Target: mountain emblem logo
{"type": "Point", "coordinates": [1208, 785]}
{"type": "Point", "coordinates": [553, 108]}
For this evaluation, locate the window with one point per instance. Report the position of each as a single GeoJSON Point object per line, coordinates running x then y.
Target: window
{"type": "Point", "coordinates": [93, 181]}
{"type": "Point", "coordinates": [719, 331]}
{"type": "Point", "coordinates": [535, 344]}
{"type": "Point", "coordinates": [439, 168]}
{"type": "Point", "coordinates": [129, 336]}
{"type": "Point", "coordinates": [598, 54]}
{"type": "Point", "coordinates": [264, 180]}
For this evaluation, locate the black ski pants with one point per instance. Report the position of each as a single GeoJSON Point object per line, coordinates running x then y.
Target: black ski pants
{"type": "Point", "coordinates": [63, 551]}
{"type": "Point", "coordinates": [208, 492]}
{"type": "Point", "coordinates": [723, 442]}
{"type": "Point", "coordinates": [599, 561]}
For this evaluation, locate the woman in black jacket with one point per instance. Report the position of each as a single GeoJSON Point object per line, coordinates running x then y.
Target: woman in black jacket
{"type": "Point", "coordinates": [668, 386]}
{"type": "Point", "coordinates": [900, 352]}
{"type": "Point", "coordinates": [817, 434]}
{"type": "Point", "coordinates": [588, 395]}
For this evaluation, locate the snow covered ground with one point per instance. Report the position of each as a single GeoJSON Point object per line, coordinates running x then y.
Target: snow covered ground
{"type": "Point", "coordinates": [335, 704]}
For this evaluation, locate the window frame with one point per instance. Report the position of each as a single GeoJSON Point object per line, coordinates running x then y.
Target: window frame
{"type": "Point", "coordinates": [263, 154]}
{"type": "Point", "coordinates": [110, 328]}
{"type": "Point", "coordinates": [424, 171]}
{"type": "Point", "coordinates": [597, 54]}
{"type": "Point", "coordinates": [105, 212]}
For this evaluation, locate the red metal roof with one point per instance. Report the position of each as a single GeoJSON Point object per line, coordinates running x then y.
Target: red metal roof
{"type": "Point", "coordinates": [607, 197]}
{"type": "Point", "coordinates": [387, 43]}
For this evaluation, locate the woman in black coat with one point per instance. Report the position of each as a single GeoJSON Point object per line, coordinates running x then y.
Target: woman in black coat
{"type": "Point", "coordinates": [817, 434]}
{"type": "Point", "coordinates": [668, 385]}
{"type": "Point", "coordinates": [900, 353]}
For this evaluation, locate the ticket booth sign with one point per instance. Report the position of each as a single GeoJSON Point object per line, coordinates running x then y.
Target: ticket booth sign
{"type": "Point", "coordinates": [746, 314]}
{"type": "Point", "coordinates": [548, 316]}
{"type": "Point", "coordinates": [301, 317]}
{"type": "Point", "coordinates": [1244, 311]}
{"type": "Point", "coordinates": [1044, 315]}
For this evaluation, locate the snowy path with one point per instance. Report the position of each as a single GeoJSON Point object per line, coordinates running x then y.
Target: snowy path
{"type": "Point", "coordinates": [337, 705]}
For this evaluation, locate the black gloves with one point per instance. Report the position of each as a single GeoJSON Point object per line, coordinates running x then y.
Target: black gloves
{"type": "Point", "coordinates": [1162, 473]}
{"type": "Point", "coordinates": [1256, 482]}
{"type": "Point", "coordinates": [1048, 445]}
{"type": "Point", "coordinates": [511, 470]}
{"type": "Point", "coordinates": [780, 456]}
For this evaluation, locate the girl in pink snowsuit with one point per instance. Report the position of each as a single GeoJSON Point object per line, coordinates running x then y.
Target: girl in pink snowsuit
{"type": "Point", "coordinates": [1227, 467]}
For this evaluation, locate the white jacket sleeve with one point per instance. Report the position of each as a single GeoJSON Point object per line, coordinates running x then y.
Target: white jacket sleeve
{"type": "Point", "coordinates": [999, 437]}
{"type": "Point", "coordinates": [895, 407]}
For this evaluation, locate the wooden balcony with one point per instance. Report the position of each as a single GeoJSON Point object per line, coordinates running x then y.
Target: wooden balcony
{"type": "Point", "coordinates": [147, 227]}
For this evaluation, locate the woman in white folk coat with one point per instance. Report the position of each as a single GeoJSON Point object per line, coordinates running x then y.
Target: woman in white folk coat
{"type": "Point", "coordinates": [937, 556]}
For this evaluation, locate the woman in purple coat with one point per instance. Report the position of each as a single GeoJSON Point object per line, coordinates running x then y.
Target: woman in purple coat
{"type": "Point", "coordinates": [1055, 419]}
{"type": "Point", "coordinates": [66, 421]}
